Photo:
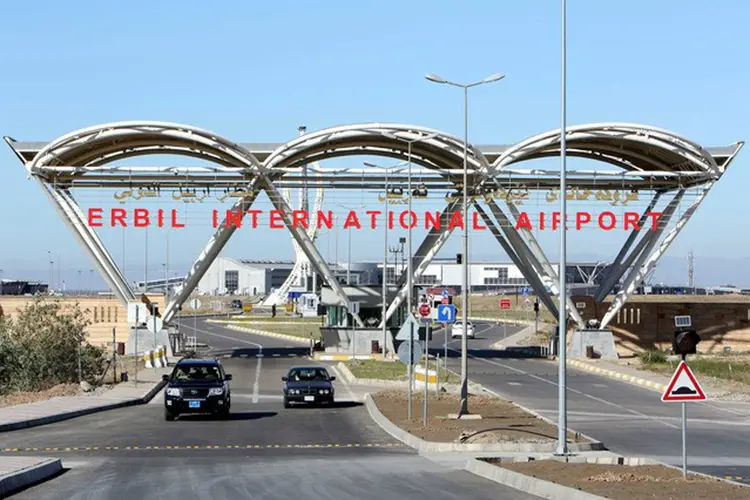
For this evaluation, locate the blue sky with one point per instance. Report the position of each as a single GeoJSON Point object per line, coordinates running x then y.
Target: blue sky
{"type": "Point", "coordinates": [255, 71]}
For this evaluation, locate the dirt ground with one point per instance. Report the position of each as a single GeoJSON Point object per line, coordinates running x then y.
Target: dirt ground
{"type": "Point", "coordinates": [20, 398]}
{"type": "Point", "coordinates": [623, 482]}
{"type": "Point", "coordinates": [501, 421]}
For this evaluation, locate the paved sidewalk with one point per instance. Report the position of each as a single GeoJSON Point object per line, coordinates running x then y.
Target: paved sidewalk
{"type": "Point", "coordinates": [63, 408]}
{"type": "Point", "coordinates": [20, 472]}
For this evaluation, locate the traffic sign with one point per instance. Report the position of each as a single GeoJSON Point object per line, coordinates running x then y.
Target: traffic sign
{"type": "Point", "coordinates": [505, 304]}
{"type": "Point", "coordinates": [195, 304]}
{"type": "Point", "coordinates": [405, 332]}
{"type": "Point", "coordinates": [446, 313]}
{"type": "Point", "coordinates": [424, 310]}
{"type": "Point", "coordinates": [527, 300]}
{"type": "Point", "coordinates": [416, 349]}
{"type": "Point", "coordinates": [526, 292]}
{"type": "Point", "coordinates": [154, 324]}
{"type": "Point", "coordinates": [683, 386]}
{"type": "Point", "coordinates": [445, 293]}
{"type": "Point", "coordinates": [446, 299]}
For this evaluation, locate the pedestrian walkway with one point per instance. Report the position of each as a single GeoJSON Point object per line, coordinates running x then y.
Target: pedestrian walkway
{"type": "Point", "coordinates": [20, 472]}
{"type": "Point", "coordinates": [62, 408]}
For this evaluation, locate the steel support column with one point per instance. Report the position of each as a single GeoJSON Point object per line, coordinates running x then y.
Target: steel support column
{"type": "Point", "coordinates": [308, 247]}
{"type": "Point", "coordinates": [426, 252]}
{"type": "Point", "coordinates": [525, 252]}
{"type": "Point", "coordinates": [647, 260]}
{"type": "Point", "coordinates": [530, 274]}
{"type": "Point", "coordinates": [546, 268]}
{"type": "Point", "coordinates": [209, 253]}
{"type": "Point", "coordinates": [71, 213]}
{"type": "Point", "coordinates": [621, 264]}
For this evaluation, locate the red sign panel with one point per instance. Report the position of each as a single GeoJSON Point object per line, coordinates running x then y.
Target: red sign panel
{"type": "Point", "coordinates": [424, 309]}
{"type": "Point", "coordinates": [504, 304]}
{"type": "Point", "coordinates": [683, 386]}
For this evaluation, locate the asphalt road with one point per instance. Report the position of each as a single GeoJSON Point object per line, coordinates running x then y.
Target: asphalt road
{"type": "Point", "coordinates": [486, 334]}
{"type": "Point", "coordinates": [626, 418]}
{"type": "Point", "coordinates": [263, 451]}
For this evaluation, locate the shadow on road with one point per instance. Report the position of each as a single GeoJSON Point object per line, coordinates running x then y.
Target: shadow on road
{"type": "Point", "coordinates": [241, 415]}
{"type": "Point", "coordinates": [266, 352]}
{"type": "Point", "coordinates": [336, 404]}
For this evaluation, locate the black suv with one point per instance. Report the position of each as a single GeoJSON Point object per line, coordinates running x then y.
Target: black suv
{"type": "Point", "coordinates": [197, 386]}
{"type": "Point", "coordinates": [308, 384]}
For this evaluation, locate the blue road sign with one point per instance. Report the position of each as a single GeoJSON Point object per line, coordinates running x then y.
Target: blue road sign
{"type": "Point", "coordinates": [526, 292]}
{"type": "Point", "coordinates": [445, 292]}
{"type": "Point", "coordinates": [446, 313]}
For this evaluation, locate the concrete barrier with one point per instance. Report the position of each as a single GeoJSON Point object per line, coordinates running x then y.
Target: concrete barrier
{"type": "Point", "coordinates": [419, 376]}
{"type": "Point", "coordinates": [148, 358]}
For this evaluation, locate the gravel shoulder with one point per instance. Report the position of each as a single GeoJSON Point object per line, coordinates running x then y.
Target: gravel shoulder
{"type": "Point", "coordinates": [626, 482]}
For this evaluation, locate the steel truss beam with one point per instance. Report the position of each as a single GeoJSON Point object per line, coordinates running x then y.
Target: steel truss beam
{"type": "Point", "coordinates": [75, 219]}
{"type": "Point", "coordinates": [426, 252]}
{"type": "Point", "coordinates": [647, 260]}
{"type": "Point", "coordinates": [530, 274]}
{"type": "Point", "coordinates": [533, 253]}
{"type": "Point", "coordinates": [621, 264]}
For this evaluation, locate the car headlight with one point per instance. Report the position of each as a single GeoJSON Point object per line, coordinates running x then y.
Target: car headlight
{"type": "Point", "coordinates": [216, 391]}
{"type": "Point", "coordinates": [174, 391]}
{"type": "Point", "coordinates": [324, 391]}
{"type": "Point", "coordinates": [293, 391]}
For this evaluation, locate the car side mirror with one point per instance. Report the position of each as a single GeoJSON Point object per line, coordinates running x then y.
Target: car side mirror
{"type": "Point", "coordinates": [228, 376]}
{"type": "Point", "coordinates": [284, 378]}
{"type": "Point", "coordinates": [165, 377]}
{"type": "Point", "coordinates": [332, 379]}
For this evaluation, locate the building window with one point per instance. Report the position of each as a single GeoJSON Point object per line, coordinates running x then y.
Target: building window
{"type": "Point", "coordinates": [232, 281]}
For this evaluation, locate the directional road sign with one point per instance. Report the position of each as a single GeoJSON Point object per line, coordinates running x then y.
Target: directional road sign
{"type": "Point", "coordinates": [446, 313]}
{"type": "Point", "coordinates": [424, 310]}
{"type": "Point", "coordinates": [526, 292]}
{"type": "Point", "coordinates": [417, 348]}
{"type": "Point", "coordinates": [505, 304]}
{"type": "Point", "coordinates": [445, 293]}
{"type": "Point", "coordinates": [154, 324]}
{"type": "Point", "coordinates": [683, 386]}
{"type": "Point", "coordinates": [405, 332]}
{"type": "Point", "coordinates": [195, 304]}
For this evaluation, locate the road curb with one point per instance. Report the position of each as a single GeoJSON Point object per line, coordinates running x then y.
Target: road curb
{"type": "Point", "coordinates": [631, 379]}
{"type": "Point", "coordinates": [346, 357]}
{"type": "Point", "coordinates": [268, 334]}
{"type": "Point", "coordinates": [28, 476]}
{"type": "Point", "coordinates": [527, 484]}
{"type": "Point", "coordinates": [49, 419]}
{"type": "Point", "coordinates": [396, 384]}
{"type": "Point", "coordinates": [432, 447]}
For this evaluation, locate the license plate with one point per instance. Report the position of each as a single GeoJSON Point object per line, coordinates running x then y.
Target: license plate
{"type": "Point", "coordinates": [195, 404]}
{"type": "Point", "coordinates": [309, 398]}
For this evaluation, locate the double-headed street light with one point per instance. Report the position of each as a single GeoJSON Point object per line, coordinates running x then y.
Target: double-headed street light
{"type": "Point", "coordinates": [464, 410]}
{"type": "Point", "coordinates": [385, 244]}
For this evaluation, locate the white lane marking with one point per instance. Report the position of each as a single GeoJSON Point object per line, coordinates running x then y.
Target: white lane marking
{"type": "Point", "coordinates": [259, 346]}
{"type": "Point", "coordinates": [599, 385]}
{"type": "Point", "coordinates": [599, 400]}
{"type": "Point", "coordinates": [256, 384]}
{"type": "Point", "coordinates": [510, 383]}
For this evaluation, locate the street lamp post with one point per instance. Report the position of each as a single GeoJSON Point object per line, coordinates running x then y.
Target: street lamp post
{"type": "Point", "coordinates": [385, 250]}
{"type": "Point", "coordinates": [562, 410]}
{"type": "Point", "coordinates": [464, 410]}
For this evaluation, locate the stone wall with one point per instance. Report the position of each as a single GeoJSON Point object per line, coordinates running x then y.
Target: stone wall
{"type": "Point", "coordinates": [104, 313]}
{"type": "Point", "coordinates": [647, 322]}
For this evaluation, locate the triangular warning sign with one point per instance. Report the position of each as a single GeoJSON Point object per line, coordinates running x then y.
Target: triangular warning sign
{"type": "Point", "coordinates": [683, 386]}
{"type": "Point", "coordinates": [405, 332]}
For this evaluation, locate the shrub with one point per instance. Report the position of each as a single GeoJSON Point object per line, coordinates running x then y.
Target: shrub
{"type": "Point", "coordinates": [41, 347]}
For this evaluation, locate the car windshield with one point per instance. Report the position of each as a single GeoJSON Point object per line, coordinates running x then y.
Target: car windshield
{"type": "Point", "coordinates": [307, 374]}
{"type": "Point", "coordinates": [196, 372]}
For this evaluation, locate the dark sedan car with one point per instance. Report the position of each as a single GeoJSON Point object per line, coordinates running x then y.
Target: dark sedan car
{"type": "Point", "coordinates": [308, 384]}
{"type": "Point", "coordinates": [197, 386]}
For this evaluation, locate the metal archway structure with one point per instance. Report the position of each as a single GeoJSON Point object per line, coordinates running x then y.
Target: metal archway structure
{"type": "Point", "coordinates": [646, 156]}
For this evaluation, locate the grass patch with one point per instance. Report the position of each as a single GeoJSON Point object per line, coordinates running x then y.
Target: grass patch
{"type": "Point", "coordinates": [392, 370]}
{"type": "Point", "coordinates": [733, 368]}
{"type": "Point", "coordinates": [488, 306]}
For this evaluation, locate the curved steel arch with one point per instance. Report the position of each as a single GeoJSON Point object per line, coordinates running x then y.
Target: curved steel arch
{"type": "Point", "coordinates": [112, 141]}
{"type": "Point", "coordinates": [443, 151]}
{"type": "Point", "coordinates": [632, 146]}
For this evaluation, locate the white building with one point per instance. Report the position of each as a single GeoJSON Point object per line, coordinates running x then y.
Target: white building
{"type": "Point", "coordinates": [260, 277]}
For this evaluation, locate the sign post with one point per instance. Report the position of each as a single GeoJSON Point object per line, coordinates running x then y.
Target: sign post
{"type": "Point", "coordinates": [407, 333]}
{"type": "Point", "coordinates": [683, 387]}
{"type": "Point", "coordinates": [505, 305]}
{"type": "Point", "coordinates": [446, 313]}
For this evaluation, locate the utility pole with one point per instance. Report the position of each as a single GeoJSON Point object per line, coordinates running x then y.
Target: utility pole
{"type": "Point", "coordinates": [690, 271]}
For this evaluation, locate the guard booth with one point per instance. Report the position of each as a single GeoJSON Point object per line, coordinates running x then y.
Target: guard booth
{"type": "Point", "coordinates": [307, 305]}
